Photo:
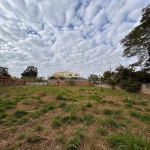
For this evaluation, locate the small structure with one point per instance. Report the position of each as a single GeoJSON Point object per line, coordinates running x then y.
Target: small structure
{"type": "Point", "coordinates": [4, 80]}
{"type": "Point", "coordinates": [66, 75]}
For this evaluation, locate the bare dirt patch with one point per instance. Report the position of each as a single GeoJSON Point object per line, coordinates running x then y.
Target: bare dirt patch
{"type": "Point", "coordinates": [27, 104]}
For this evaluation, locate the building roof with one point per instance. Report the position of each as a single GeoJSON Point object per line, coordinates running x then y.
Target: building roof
{"type": "Point", "coordinates": [3, 77]}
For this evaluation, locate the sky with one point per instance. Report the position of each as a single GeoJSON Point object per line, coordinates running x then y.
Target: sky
{"type": "Point", "coordinates": [66, 35]}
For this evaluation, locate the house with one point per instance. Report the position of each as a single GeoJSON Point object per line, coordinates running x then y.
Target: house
{"type": "Point", "coordinates": [66, 74]}
{"type": "Point", "coordinates": [4, 80]}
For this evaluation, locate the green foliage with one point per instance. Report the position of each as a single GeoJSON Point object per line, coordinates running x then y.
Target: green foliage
{"type": "Point", "coordinates": [20, 113]}
{"type": "Point", "coordinates": [88, 105]}
{"type": "Point", "coordinates": [3, 115]}
{"type": "Point", "coordinates": [69, 119]}
{"type": "Point", "coordinates": [136, 42]}
{"type": "Point", "coordinates": [32, 138]}
{"type": "Point", "coordinates": [128, 141]}
{"type": "Point", "coordinates": [31, 72]}
{"type": "Point", "coordinates": [73, 144]}
{"type": "Point", "coordinates": [23, 120]}
{"type": "Point", "coordinates": [94, 78]}
{"type": "Point", "coordinates": [36, 114]}
{"type": "Point", "coordinates": [108, 112]}
{"type": "Point", "coordinates": [4, 71]}
{"type": "Point", "coordinates": [108, 77]}
{"type": "Point", "coordinates": [88, 119]}
{"type": "Point", "coordinates": [38, 128]}
{"type": "Point", "coordinates": [56, 123]}
{"type": "Point", "coordinates": [130, 85]}
{"type": "Point", "coordinates": [101, 131]}
{"type": "Point", "coordinates": [21, 136]}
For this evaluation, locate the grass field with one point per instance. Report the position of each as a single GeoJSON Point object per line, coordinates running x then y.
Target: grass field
{"type": "Point", "coordinates": [73, 117]}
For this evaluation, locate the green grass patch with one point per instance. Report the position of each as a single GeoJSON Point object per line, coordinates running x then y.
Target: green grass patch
{"type": "Point", "coordinates": [128, 141]}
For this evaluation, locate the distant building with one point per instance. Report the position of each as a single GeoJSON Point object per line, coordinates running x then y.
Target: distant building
{"type": "Point", "coordinates": [66, 74]}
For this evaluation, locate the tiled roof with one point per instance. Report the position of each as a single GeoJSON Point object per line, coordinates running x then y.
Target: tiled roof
{"type": "Point", "coordinates": [3, 77]}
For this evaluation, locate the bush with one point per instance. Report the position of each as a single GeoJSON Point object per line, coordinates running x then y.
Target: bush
{"type": "Point", "coordinates": [130, 85]}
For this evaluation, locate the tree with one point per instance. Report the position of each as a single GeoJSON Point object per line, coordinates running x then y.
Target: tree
{"type": "Point", "coordinates": [137, 42]}
{"type": "Point", "coordinates": [108, 77]}
{"type": "Point", "coordinates": [4, 71]}
{"type": "Point", "coordinates": [31, 72]}
{"type": "Point", "coordinates": [93, 78]}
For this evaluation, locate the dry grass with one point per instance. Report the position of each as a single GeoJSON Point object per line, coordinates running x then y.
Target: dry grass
{"type": "Point", "coordinates": [33, 99]}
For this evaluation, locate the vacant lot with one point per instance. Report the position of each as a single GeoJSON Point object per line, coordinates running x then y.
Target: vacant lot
{"type": "Point", "coordinates": [71, 117]}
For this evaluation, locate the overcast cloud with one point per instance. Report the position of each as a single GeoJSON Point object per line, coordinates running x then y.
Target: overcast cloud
{"type": "Point", "coordinates": [58, 35]}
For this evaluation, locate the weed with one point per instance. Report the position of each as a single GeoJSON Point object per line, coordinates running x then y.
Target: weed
{"type": "Point", "coordinates": [129, 141]}
{"type": "Point", "coordinates": [95, 97]}
{"type": "Point", "coordinates": [69, 119]}
{"type": "Point", "coordinates": [62, 105]}
{"type": "Point", "coordinates": [38, 128]}
{"type": "Point", "coordinates": [20, 113]}
{"type": "Point", "coordinates": [101, 131]}
{"type": "Point", "coordinates": [83, 108]}
{"type": "Point", "coordinates": [88, 119]}
{"type": "Point", "coordinates": [73, 144]}
{"type": "Point", "coordinates": [135, 114]}
{"type": "Point", "coordinates": [36, 114]}
{"type": "Point", "coordinates": [2, 109]}
{"type": "Point", "coordinates": [32, 138]}
{"type": "Point", "coordinates": [88, 105]}
{"type": "Point", "coordinates": [23, 120]}
{"type": "Point", "coordinates": [21, 136]}
{"type": "Point", "coordinates": [56, 123]}
{"type": "Point", "coordinates": [59, 97]}
{"type": "Point", "coordinates": [129, 101]}
{"type": "Point", "coordinates": [143, 103]}
{"type": "Point", "coordinates": [145, 118]}
{"type": "Point", "coordinates": [108, 122]}
{"type": "Point", "coordinates": [80, 132]}
{"type": "Point", "coordinates": [108, 112]}
{"type": "Point", "coordinates": [3, 115]}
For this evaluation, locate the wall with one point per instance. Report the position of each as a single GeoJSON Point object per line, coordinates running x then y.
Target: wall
{"type": "Point", "coordinates": [11, 82]}
{"type": "Point", "coordinates": [69, 82]}
{"type": "Point", "coordinates": [35, 83]}
{"type": "Point", "coordinates": [145, 88]}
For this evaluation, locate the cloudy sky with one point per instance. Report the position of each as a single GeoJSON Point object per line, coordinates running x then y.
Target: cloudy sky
{"type": "Point", "coordinates": [58, 35]}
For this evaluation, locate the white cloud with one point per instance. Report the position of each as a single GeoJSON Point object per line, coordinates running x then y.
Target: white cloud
{"type": "Point", "coordinates": [81, 35]}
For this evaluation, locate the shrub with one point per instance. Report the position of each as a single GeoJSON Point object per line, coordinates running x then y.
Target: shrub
{"type": "Point", "coordinates": [130, 85]}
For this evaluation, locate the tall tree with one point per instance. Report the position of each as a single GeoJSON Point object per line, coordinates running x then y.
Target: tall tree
{"type": "Point", "coordinates": [137, 42]}
{"type": "Point", "coordinates": [4, 71]}
{"type": "Point", "coordinates": [31, 72]}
